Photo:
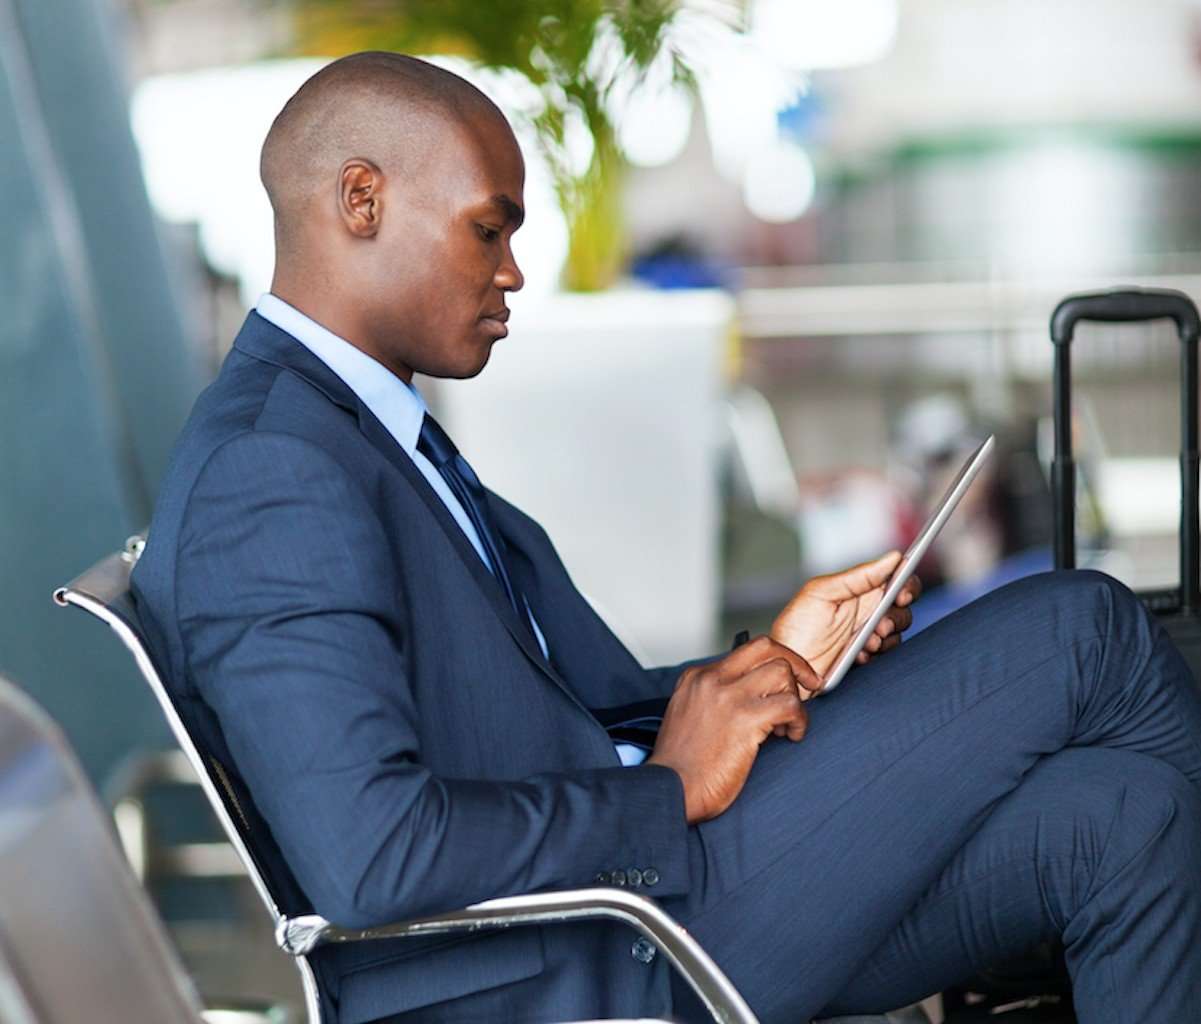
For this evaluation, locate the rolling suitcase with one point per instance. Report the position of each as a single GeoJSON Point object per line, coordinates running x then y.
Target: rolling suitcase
{"type": "Point", "coordinates": [1179, 609]}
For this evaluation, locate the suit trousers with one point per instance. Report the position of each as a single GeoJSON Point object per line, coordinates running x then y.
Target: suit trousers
{"type": "Point", "coordinates": [1029, 768]}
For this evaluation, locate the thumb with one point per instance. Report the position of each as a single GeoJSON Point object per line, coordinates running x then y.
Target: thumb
{"type": "Point", "coordinates": [859, 579]}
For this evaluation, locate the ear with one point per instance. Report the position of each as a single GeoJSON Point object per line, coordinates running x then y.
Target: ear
{"type": "Point", "coordinates": [360, 197]}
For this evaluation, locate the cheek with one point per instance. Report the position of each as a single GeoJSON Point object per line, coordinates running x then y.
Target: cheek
{"type": "Point", "coordinates": [418, 287]}
{"type": "Point", "coordinates": [468, 264]}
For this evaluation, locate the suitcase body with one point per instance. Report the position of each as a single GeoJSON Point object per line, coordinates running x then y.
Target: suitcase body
{"type": "Point", "coordinates": [1179, 609]}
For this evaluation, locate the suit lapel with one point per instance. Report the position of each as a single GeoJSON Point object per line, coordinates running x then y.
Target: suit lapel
{"type": "Point", "coordinates": [262, 340]}
{"type": "Point", "coordinates": [385, 443]}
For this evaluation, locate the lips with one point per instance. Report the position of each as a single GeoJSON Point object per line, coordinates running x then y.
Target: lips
{"type": "Point", "coordinates": [494, 322]}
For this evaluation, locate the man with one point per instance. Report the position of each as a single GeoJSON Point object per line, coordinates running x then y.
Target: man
{"type": "Point", "coordinates": [397, 665]}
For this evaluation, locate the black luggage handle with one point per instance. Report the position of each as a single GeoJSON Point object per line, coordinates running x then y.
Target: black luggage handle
{"type": "Point", "coordinates": [1125, 306]}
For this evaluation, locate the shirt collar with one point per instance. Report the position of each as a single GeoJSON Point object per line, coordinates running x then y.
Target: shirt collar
{"type": "Point", "coordinates": [397, 405]}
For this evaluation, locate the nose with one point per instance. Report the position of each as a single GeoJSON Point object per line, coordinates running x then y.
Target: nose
{"type": "Point", "coordinates": [508, 276]}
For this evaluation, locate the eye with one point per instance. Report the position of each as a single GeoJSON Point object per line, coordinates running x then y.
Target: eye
{"type": "Point", "coordinates": [486, 233]}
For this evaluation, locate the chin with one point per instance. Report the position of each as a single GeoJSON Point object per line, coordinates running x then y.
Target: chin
{"type": "Point", "coordinates": [463, 369]}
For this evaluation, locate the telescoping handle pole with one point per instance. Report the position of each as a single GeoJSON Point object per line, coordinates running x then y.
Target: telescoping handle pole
{"type": "Point", "coordinates": [1125, 306]}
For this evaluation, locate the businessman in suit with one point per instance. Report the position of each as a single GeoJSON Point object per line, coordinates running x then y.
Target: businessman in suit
{"type": "Point", "coordinates": [427, 713]}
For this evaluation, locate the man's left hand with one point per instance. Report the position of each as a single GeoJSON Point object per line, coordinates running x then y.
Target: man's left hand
{"type": "Point", "coordinates": [827, 611]}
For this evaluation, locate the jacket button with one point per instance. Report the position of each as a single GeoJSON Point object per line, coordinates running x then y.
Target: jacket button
{"type": "Point", "coordinates": [643, 951]}
{"type": "Point", "coordinates": [602, 878]}
{"type": "Point", "coordinates": [634, 877]}
{"type": "Point", "coordinates": [650, 876]}
{"type": "Point", "coordinates": [618, 877]}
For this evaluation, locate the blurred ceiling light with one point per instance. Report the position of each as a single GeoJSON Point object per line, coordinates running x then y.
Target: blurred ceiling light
{"type": "Point", "coordinates": [654, 125]}
{"type": "Point", "coordinates": [812, 34]}
{"type": "Point", "coordinates": [650, 110]}
{"type": "Point", "coordinates": [741, 121]}
{"type": "Point", "coordinates": [742, 87]}
{"type": "Point", "coordinates": [779, 182]}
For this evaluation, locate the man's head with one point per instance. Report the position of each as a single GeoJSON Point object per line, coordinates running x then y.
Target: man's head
{"type": "Point", "coordinates": [396, 187]}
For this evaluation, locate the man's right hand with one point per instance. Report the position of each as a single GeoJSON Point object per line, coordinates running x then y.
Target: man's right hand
{"type": "Point", "coordinates": [720, 713]}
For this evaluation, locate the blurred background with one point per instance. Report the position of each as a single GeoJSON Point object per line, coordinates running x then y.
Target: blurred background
{"type": "Point", "coordinates": [787, 261]}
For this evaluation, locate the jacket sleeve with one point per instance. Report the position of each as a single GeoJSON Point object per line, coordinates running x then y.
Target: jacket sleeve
{"type": "Point", "coordinates": [293, 634]}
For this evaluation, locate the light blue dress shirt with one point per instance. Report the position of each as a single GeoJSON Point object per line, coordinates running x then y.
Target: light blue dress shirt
{"type": "Point", "coordinates": [400, 408]}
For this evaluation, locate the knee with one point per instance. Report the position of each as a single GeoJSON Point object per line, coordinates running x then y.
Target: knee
{"type": "Point", "coordinates": [1089, 587]}
{"type": "Point", "coordinates": [1090, 599]}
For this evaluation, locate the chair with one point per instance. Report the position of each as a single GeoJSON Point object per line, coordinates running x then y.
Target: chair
{"type": "Point", "coordinates": [79, 941]}
{"type": "Point", "coordinates": [103, 591]}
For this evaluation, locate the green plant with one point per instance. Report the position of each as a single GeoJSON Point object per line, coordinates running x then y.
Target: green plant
{"type": "Point", "coordinates": [578, 54]}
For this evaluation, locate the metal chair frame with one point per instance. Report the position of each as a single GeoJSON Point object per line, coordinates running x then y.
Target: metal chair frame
{"type": "Point", "coordinates": [100, 587]}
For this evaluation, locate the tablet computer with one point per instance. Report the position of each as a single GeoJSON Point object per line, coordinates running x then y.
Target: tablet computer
{"type": "Point", "coordinates": [910, 560]}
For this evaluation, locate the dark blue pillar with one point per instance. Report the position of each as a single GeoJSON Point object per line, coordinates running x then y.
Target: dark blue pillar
{"type": "Point", "coordinates": [95, 372]}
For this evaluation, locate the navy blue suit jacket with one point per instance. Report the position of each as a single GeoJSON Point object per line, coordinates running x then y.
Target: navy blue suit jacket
{"type": "Point", "coordinates": [334, 639]}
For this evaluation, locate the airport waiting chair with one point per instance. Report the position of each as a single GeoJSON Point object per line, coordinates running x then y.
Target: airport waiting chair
{"type": "Point", "coordinates": [79, 940]}
{"type": "Point", "coordinates": [104, 592]}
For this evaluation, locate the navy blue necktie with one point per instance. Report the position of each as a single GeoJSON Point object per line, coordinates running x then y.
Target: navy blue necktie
{"type": "Point", "coordinates": [436, 446]}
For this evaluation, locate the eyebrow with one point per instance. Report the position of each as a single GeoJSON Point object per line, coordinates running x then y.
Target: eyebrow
{"type": "Point", "coordinates": [514, 214]}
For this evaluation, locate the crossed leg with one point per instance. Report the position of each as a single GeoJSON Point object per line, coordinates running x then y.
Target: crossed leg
{"type": "Point", "coordinates": [937, 762]}
{"type": "Point", "coordinates": [1089, 849]}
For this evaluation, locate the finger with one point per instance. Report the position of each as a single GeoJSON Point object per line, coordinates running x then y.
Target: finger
{"type": "Point", "coordinates": [796, 732]}
{"type": "Point", "coordinates": [745, 657]}
{"type": "Point", "coordinates": [758, 651]}
{"type": "Point", "coordinates": [762, 650]}
{"type": "Point", "coordinates": [887, 644]}
{"type": "Point", "coordinates": [781, 709]}
{"type": "Point", "coordinates": [858, 580]}
{"type": "Point", "coordinates": [910, 592]}
{"type": "Point", "coordinates": [773, 677]}
{"type": "Point", "coordinates": [897, 620]}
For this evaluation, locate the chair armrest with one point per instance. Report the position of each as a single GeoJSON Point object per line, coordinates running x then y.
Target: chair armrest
{"type": "Point", "coordinates": [299, 936]}
{"type": "Point", "coordinates": [245, 1015]}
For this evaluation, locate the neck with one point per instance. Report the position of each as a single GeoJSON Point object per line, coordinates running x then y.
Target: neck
{"type": "Point", "coordinates": [336, 315]}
